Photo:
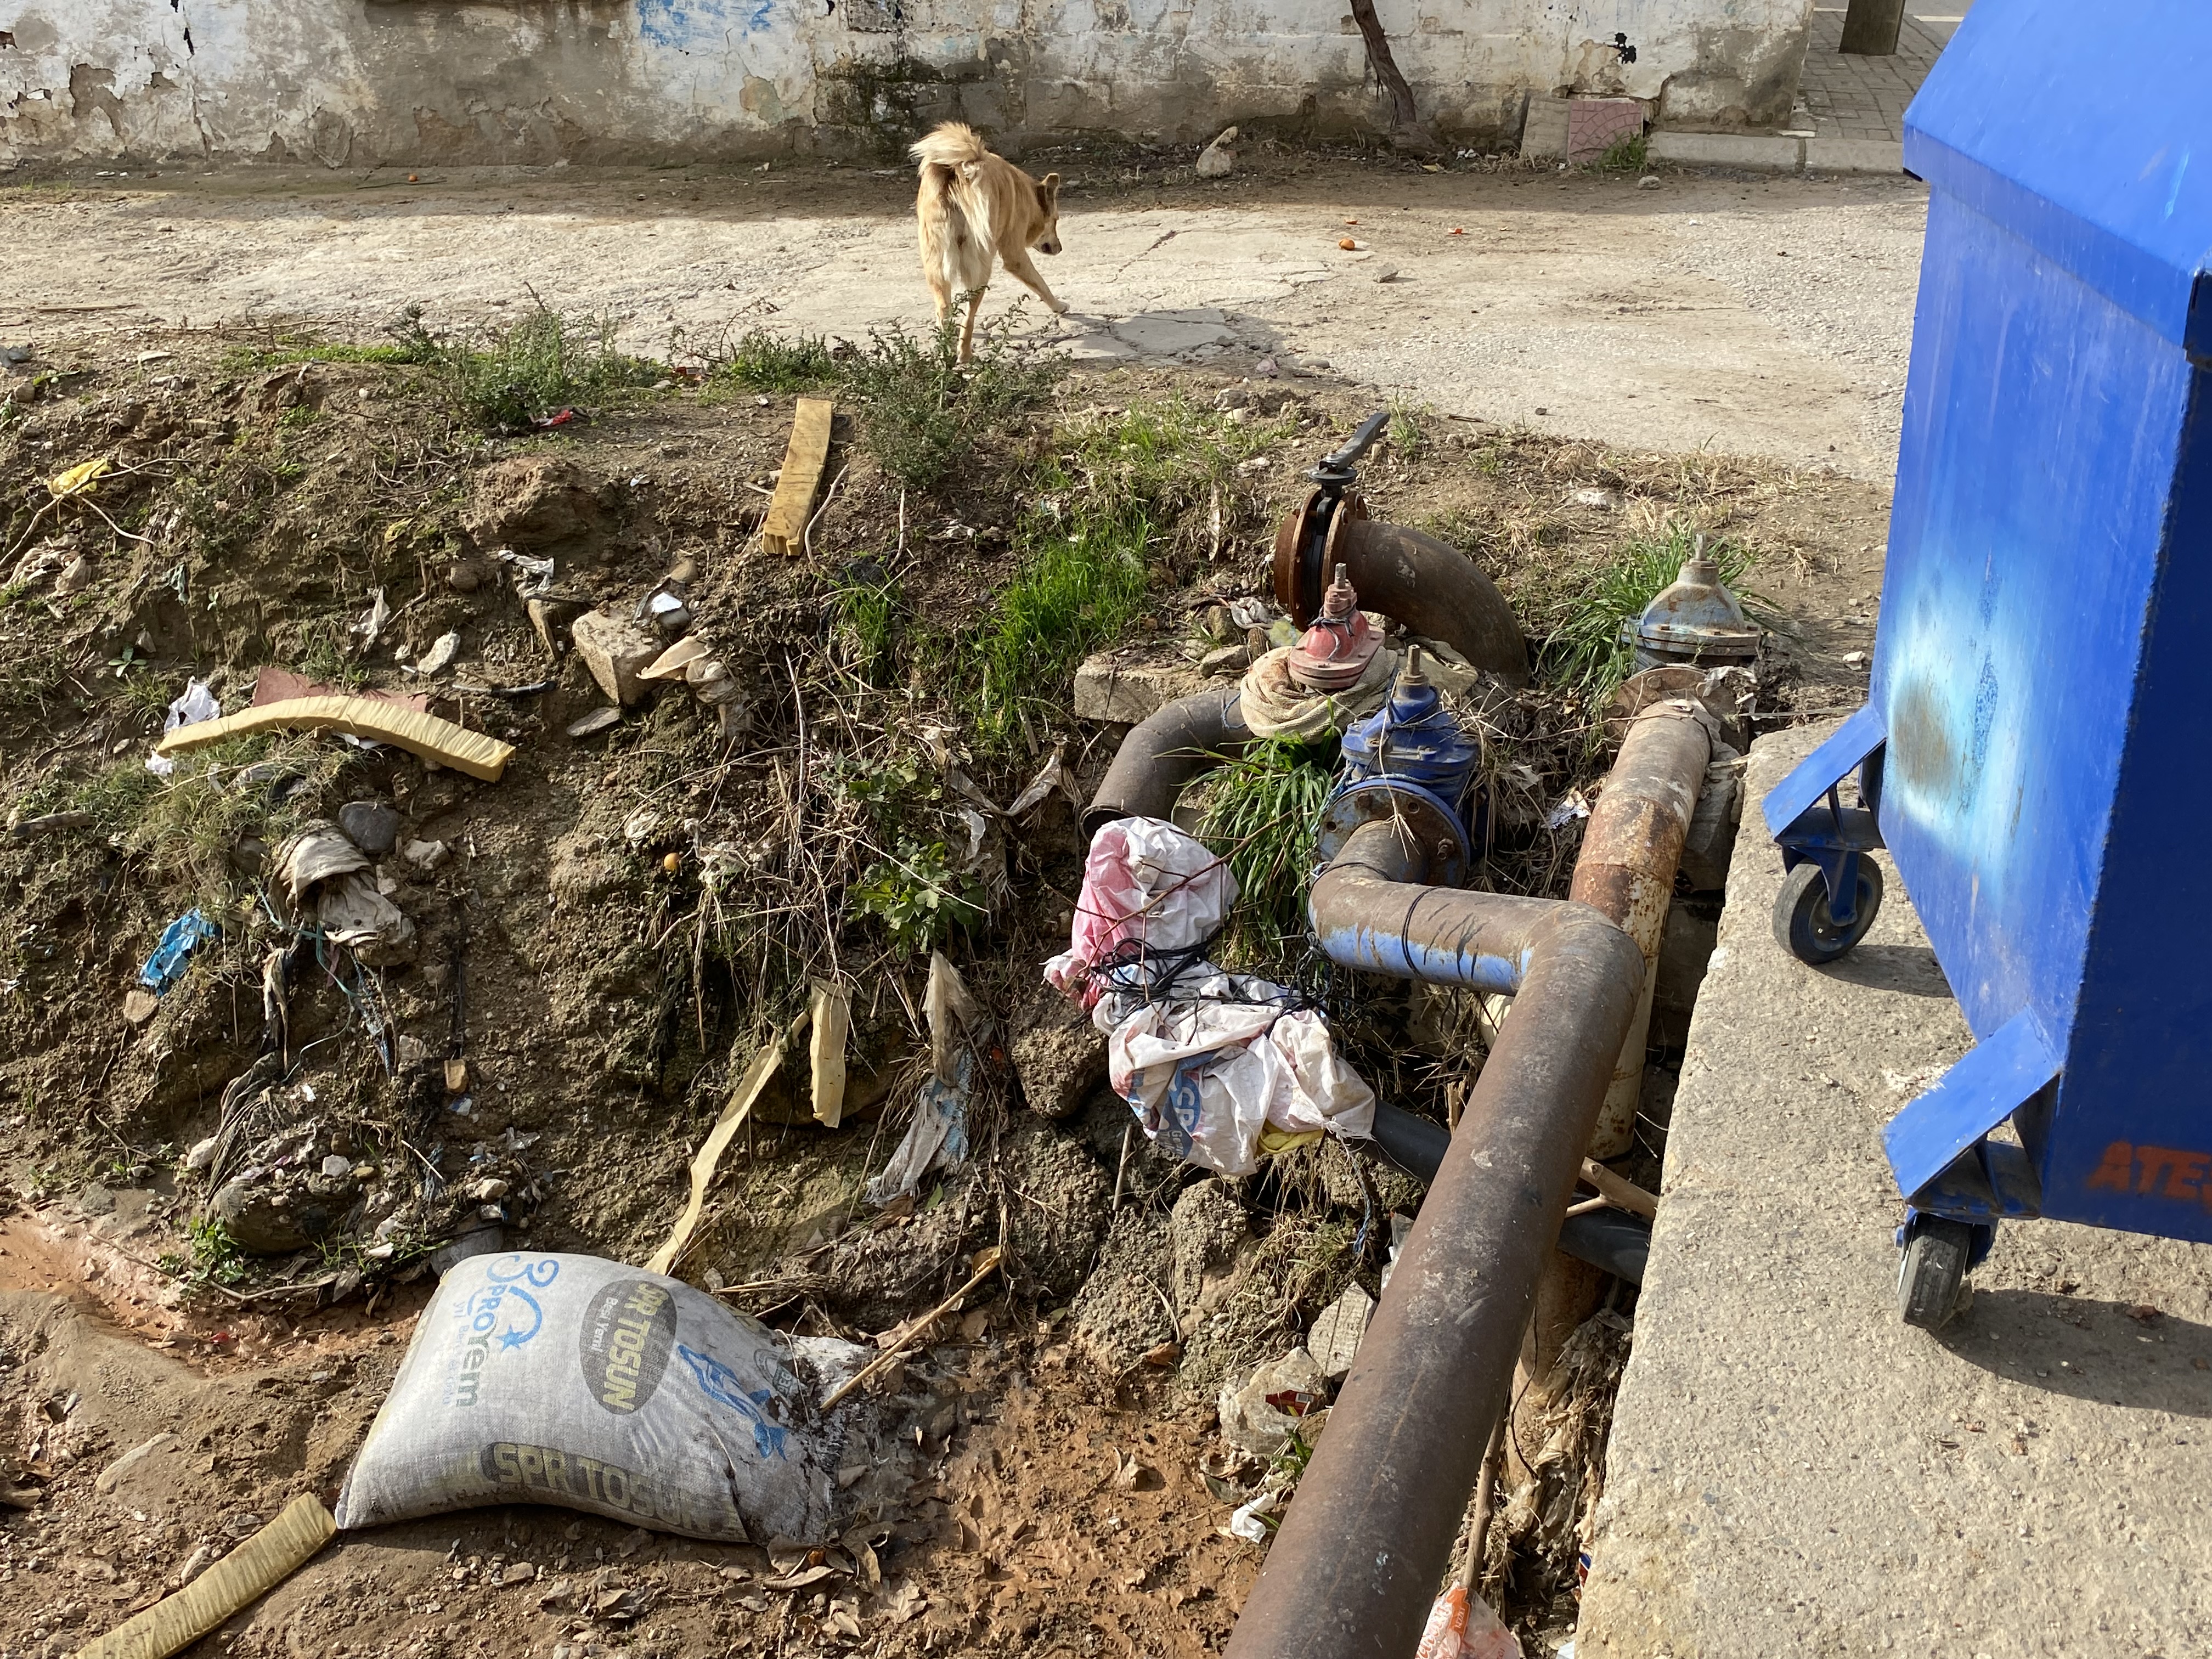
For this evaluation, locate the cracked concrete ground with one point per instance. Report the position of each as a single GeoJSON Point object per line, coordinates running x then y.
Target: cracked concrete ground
{"type": "Point", "coordinates": [1743, 315]}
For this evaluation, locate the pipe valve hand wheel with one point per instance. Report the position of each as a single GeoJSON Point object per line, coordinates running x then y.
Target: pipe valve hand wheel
{"type": "Point", "coordinates": [1802, 924]}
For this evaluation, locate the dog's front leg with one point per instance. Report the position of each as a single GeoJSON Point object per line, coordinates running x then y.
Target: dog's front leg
{"type": "Point", "coordinates": [1023, 270]}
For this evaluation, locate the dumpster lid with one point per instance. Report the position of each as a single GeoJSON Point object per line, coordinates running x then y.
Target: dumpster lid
{"type": "Point", "coordinates": [2085, 130]}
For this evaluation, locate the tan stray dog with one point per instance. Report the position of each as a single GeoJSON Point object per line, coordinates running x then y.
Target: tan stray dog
{"type": "Point", "coordinates": [973, 206]}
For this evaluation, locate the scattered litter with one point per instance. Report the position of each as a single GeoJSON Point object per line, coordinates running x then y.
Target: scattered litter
{"type": "Point", "coordinates": [1147, 888]}
{"type": "Point", "coordinates": [709, 1158]}
{"type": "Point", "coordinates": [579, 1382]}
{"type": "Point", "coordinates": [179, 940]}
{"type": "Point", "coordinates": [599, 720]}
{"type": "Point", "coordinates": [1246, 1523]}
{"type": "Point", "coordinates": [1463, 1625]}
{"type": "Point", "coordinates": [1052, 774]}
{"type": "Point", "coordinates": [804, 456]}
{"type": "Point", "coordinates": [283, 686]}
{"type": "Point", "coordinates": [426, 735]}
{"type": "Point", "coordinates": [79, 480]}
{"type": "Point", "coordinates": [48, 823]}
{"type": "Point", "coordinates": [1352, 245]}
{"type": "Point", "coordinates": [671, 664]}
{"type": "Point", "coordinates": [1218, 159]}
{"type": "Point", "coordinates": [1456, 230]}
{"type": "Point", "coordinates": [1260, 1414]}
{"type": "Point", "coordinates": [937, 1137]}
{"type": "Point", "coordinates": [195, 707]}
{"type": "Point", "coordinates": [374, 620]}
{"type": "Point", "coordinates": [1569, 807]}
{"type": "Point", "coordinates": [831, 1014]}
{"type": "Point", "coordinates": [1335, 1337]}
{"type": "Point", "coordinates": [327, 878]}
{"type": "Point", "coordinates": [439, 658]}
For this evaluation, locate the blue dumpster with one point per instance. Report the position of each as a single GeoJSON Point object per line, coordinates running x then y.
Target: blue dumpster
{"type": "Point", "coordinates": [2034, 749]}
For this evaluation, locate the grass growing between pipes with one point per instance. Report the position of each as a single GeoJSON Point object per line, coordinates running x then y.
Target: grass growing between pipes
{"type": "Point", "coordinates": [1260, 810]}
{"type": "Point", "coordinates": [1584, 652]}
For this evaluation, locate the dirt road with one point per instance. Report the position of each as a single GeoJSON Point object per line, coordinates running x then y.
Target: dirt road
{"type": "Point", "coordinates": [1747, 316]}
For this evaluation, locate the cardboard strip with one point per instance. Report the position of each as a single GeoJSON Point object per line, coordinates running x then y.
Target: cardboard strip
{"type": "Point", "coordinates": [426, 735]}
{"type": "Point", "coordinates": [805, 457]}
{"type": "Point", "coordinates": [832, 1014]}
{"type": "Point", "coordinates": [240, 1578]}
{"type": "Point", "coordinates": [709, 1158]}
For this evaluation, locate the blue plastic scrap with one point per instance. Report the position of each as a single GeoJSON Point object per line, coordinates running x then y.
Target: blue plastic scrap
{"type": "Point", "coordinates": [179, 940]}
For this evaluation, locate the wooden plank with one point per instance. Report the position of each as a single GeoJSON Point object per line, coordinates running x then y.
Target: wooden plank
{"type": "Point", "coordinates": [804, 459]}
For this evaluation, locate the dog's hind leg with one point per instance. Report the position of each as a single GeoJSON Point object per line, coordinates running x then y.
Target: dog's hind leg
{"type": "Point", "coordinates": [1020, 267]}
{"type": "Point", "coordinates": [968, 332]}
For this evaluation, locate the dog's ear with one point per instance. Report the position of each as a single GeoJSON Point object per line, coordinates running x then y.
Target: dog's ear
{"type": "Point", "coordinates": [1048, 189]}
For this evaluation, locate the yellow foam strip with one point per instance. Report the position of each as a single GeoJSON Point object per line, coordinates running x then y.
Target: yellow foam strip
{"type": "Point", "coordinates": [427, 735]}
{"type": "Point", "coordinates": [240, 1578]}
{"type": "Point", "coordinates": [805, 457]}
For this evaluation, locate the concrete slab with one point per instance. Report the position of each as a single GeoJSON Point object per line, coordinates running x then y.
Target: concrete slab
{"type": "Point", "coordinates": [1767, 152]}
{"type": "Point", "coordinates": [1794, 1471]}
{"type": "Point", "coordinates": [1854, 155]}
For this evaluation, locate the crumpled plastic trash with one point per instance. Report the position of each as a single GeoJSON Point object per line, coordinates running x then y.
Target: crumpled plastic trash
{"type": "Point", "coordinates": [1208, 1079]}
{"type": "Point", "coordinates": [1148, 888]}
{"type": "Point", "coordinates": [197, 704]}
{"type": "Point", "coordinates": [328, 878]}
{"type": "Point", "coordinates": [178, 941]}
{"type": "Point", "coordinates": [937, 1137]}
{"type": "Point", "coordinates": [1463, 1625]}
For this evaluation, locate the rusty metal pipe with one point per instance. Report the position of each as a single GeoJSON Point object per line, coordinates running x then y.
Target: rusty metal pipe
{"type": "Point", "coordinates": [1366, 1542]}
{"type": "Point", "coordinates": [1429, 586]}
{"type": "Point", "coordinates": [1164, 751]}
{"type": "Point", "coordinates": [1625, 872]}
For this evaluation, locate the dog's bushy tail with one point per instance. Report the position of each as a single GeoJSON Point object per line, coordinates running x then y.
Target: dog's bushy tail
{"type": "Point", "coordinates": [954, 146]}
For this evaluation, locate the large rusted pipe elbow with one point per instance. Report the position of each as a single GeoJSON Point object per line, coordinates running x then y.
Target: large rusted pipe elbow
{"type": "Point", "coordinates": [1431, 587]}
{"type": "Point", "coordinates": [1164, 751]}
{"type": "Point", "coordinates": [1367, 1540]}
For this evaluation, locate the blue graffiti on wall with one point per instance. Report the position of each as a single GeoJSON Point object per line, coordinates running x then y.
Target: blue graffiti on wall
{"type": "Point", "coordinates": [683, 24]}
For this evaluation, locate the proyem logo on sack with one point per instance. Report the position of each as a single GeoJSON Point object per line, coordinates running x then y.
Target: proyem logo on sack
{"type": "Point", "coordinates": [629, 1327]}
{"type": "Point", "coordinates": [502, 1316]}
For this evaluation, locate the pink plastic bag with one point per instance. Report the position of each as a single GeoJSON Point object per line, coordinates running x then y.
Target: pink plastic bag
{"type": "Point", "coordinates": [1143, 880]}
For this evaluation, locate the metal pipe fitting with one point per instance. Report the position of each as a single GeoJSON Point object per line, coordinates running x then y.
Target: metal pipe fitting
{"type": "Point", "coordinates": [1431, 587]}
{"type": "Point", "coordinates": [1625, 872]}
{"type": "Point", "coordinates": [1164, 751]}
{"type": "Point", "coordinates": [1366, 1541]}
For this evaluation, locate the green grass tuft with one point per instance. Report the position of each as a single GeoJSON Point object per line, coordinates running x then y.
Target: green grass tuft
{"type": "Point", "coordinates": [503, 377]}
{"type": "Point", "coordinates": [1261, 811]}
{"type": "Point", "coordinates": [1584, 654]}
{"type": "Point", "coordinates": [1081, 587]}
{"type": "Point", "coordinates": [1627, 155]}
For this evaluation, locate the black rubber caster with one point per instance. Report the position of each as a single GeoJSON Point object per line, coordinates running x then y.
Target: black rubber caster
{"type": "Point", "coordinates": [1932, 1270]}
{"type": "Point", "coordinates": [1804, 927]}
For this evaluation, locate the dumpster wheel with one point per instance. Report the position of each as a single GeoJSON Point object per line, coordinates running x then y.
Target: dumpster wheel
{"type": "Point", "coordinates": [1804, 927]}
{"type": "Point", "coordinates": [1931, 1270]}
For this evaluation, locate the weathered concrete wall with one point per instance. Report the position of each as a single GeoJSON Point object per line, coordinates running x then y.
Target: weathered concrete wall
{"type": "Point", "coordinates": [354, 83]}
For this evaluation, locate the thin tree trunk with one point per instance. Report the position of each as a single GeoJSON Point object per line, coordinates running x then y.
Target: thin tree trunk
{"type": "Point", "coordinates": [1407, 131]}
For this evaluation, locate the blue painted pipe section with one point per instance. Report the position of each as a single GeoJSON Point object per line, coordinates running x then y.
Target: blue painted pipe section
{"type": "Point", "coordinates": [1370, 910]}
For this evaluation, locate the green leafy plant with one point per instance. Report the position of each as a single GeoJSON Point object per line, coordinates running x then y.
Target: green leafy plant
{"type": "Point", "coordinates": [215, 1257]}
{"type": "Point", "coordinates": [918, 897]}
{"type": "Point", "coordinates": [868, 619]}
{"type": "Point", "coordinates": [1626, 154]}
{"type": "Point", "coordinates": [504, 376]}
{"type": "Point", "coordinates": [1584, 652]}
{"type": "Point", "coordinates": [922, 412]}
{"type": "Point", "coordinates": [758, 361]}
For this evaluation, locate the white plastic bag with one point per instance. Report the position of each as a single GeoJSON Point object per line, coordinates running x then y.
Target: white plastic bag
{"type": "Point", "coordinates": [1206, 1077]}
{"type": "Point", "coordinates": [197, 703]}
{"type": "Point", "coordinates": [594, 1385]}
{"type": "Point", "coordinates": [1145, 881]}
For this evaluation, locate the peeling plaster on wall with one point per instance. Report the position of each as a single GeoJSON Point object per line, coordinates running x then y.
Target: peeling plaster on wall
{"type": "Point", "coordinates": [354, 83]}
